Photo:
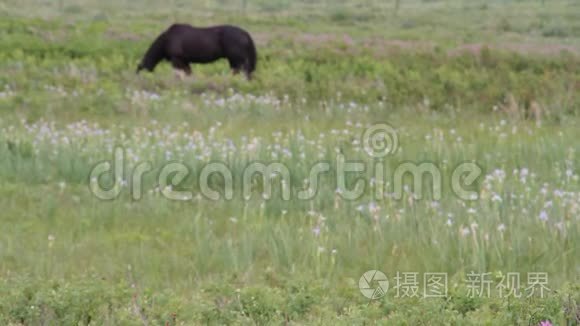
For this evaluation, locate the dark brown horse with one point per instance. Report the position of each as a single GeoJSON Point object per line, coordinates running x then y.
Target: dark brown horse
{"type": "Point", "coordinates": [182, 44]}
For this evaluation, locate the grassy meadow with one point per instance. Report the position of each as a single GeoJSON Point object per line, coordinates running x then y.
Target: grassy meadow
{"type": "Point", "coordinates": [495, 83]}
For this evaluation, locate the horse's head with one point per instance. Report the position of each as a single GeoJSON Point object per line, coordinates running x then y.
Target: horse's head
{"type": "Point", "coordinates": [154, 54]}
{"type": "Point", "coordinates": [142, 66]}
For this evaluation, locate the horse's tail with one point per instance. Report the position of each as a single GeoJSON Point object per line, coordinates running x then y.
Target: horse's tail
{"type": "Point", "coordinates": [154, 54]}
{"type": "Point", "coordinates": [252, 55]}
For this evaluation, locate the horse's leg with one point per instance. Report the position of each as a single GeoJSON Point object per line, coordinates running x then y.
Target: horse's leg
{"type": "Point", "coordinates": [235, 65]}
{"type": "Point", "coordinates": [181, 67]}
{"type": "Point", "coordinates": [248, 74]}
{"type": "Point", "coordinates": [248, 69]}
{"type": "Point", "coordinates": [245, 67]}
{"type": "Point", "coordinates": [180, 74]}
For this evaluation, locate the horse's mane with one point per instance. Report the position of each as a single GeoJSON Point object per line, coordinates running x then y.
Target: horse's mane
{"type": "Point", "coordinates": [155, 54]}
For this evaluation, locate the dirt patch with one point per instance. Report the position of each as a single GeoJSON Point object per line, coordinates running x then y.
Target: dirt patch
{"type": "Point", "coordinates": [380, 46]}
{"type": "Point", "coordinates": [122, 36]}
{"type": "Point", "coordinates": [309, 39]}
{"type": "Point", "coordinates": [314, 39]}
{"type": "Point", "coordinates": [520, 48]}
{"type": "Point", "coordinates": [263, 38]}
{"type": "Point", "coordinates": [376, 45]}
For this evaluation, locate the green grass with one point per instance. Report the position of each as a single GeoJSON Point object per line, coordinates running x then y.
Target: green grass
{"type": "Point", "coordinates": [69, 95]}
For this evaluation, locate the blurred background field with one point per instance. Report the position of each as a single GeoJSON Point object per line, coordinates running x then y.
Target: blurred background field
{"type": "Point", "coordinates": [491, 82]}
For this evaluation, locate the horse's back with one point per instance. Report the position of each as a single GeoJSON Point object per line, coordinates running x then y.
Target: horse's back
{"type": "Point", "coordinates": [186, 29]}
{"type": "Point", "coordinates": [193, 44]}
{"type": "Point", "coordinates": [177, 27]}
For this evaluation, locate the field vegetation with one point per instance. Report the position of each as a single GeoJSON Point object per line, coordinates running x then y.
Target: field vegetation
{"type": "Point", "coordinates": [495, 83]}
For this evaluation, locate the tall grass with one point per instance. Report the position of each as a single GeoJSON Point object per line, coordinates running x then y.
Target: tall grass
{"type": "Point", "coordinates": [69, 97]}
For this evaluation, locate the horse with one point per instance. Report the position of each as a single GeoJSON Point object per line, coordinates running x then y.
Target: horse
{"type": "Point", "coordinates": [182, 44]}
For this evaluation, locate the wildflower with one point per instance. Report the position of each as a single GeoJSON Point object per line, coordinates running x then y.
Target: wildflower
{"type": "Point", "coordinates": [316, 230]}
{"type": "Point", "coordinates": [465, 231]}
{"type": "Point", "coordinates": [373, 207]}
{"type": "Point", "coordinates": [498, 173]}
{"type": "Point", "coordinates": [51, 239]}
{"type": "Point", "coordinates": [501, 227]}
{"type": "Point", "coordinates": [543, 216]}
